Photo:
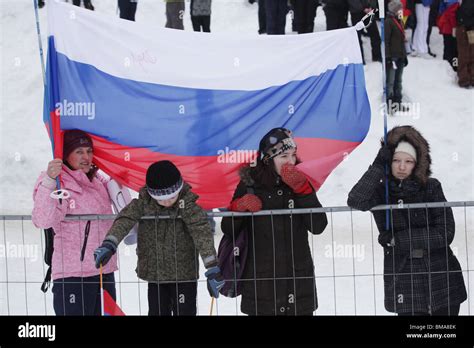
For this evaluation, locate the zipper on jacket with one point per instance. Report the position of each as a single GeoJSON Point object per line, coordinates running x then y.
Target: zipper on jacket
{"type": "Point", "coordinates": [86, 236]}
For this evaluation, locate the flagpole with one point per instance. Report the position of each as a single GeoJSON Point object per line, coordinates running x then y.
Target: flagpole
{"type": "Point", "coordinates": [40, 45]}
{"type": "Point", "coordinates": [58, 194]}
{"type": "Point", "coordinates": [384, 101]}
{"type": "Point", "coordinates": [101, 292]}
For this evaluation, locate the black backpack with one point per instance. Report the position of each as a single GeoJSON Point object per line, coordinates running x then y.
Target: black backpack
{"type": "Point", "coordinates": [232, 255]}
{"type": "Point", "coordinates": [49, 248]}
{"type": "Point", "coordinates": [48, 256]}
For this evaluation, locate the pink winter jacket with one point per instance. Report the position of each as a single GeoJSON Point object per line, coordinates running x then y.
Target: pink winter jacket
{"type": "Point", "coordinates": [86, 197]}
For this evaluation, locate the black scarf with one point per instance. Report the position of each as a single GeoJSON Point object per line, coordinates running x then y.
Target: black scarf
{"type": "Point", "coordinates": [407, 190]}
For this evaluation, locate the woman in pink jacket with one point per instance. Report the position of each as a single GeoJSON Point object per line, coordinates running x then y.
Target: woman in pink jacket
{"type": "Point", "coordinates": [75, 279]}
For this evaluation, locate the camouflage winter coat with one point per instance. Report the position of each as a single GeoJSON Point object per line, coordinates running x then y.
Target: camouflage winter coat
{"type": "Point", "coordinates": [167, 249]}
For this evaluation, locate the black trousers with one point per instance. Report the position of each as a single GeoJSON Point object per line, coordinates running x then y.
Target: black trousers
{"type": "Point", "coordinates": [395, 80]}
{"type": "Point", "coordinates": [87, 3]}
{"type": "Point", "coordinates": [81, 296]}
{"type": "Point", "coordinates": [174, 15]}
{"type": "Point", "coordinates": [262, 17]}
{"type": "Point", "coordinates": [127, 8]}
{"type": "Point", "coordinates": [172, 298]}
{"type": "Point", "coordinates": [201, 22]}
{"type": "Point", "coordinates": [276, 11]}
{"type": "Point", "coordinates": [304, 14]}
{"type": "Point", "coordinates": [452, 311]}
{"type": "Point", "coordinates": [450, 49]}
{"type": "Point", "coordinates": [373, 32]}
{"type": "Point", "coordinates": [335, 19]}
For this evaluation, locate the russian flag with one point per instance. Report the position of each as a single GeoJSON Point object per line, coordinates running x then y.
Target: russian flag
{"type": "Point", "coordinates": [201, 100]}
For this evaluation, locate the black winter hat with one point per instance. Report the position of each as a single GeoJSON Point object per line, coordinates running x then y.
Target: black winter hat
{"type": "Point", "coordinates": [163, 180]}
{"type": "Point", "coordinates": [73, 139]}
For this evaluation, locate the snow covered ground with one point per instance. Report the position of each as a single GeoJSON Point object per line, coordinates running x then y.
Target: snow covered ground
{"type": "Point", "coordinates": [443, 112]}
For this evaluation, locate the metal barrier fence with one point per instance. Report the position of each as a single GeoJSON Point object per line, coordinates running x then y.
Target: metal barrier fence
{"type": "Point", "coordinates": [347, 258]}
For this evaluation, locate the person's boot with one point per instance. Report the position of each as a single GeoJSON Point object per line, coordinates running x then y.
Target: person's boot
{"type": "Point", "coordinates": [390, 107]}
{"type": "Point", "coordinates": [88, 5]}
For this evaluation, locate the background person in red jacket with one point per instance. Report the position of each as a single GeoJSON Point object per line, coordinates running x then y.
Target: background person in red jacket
{"type": "Point", "coordinates": [446, 23]}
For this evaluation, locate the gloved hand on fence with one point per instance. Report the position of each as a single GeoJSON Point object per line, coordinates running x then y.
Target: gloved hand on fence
{"type": "Point", "coordinates": [383, 156]}
{"type": "Point", "coordinates": [103, 253]}
{"type": "Point", "coordinates": [386, 239]}
{"type": "Point", "coordinates": [215, 281]}
{"type": "Point", "coordinates": [247, 202]}
{"type": "Point", "coordinates": [297, 181]}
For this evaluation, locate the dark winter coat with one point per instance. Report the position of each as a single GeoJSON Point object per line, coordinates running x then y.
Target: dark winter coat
{"type": "Point", "coordinates": [415, 268]}
{"type": "Point", "coordinates": [278, 247]}
{"type": "Point", "coordinates": [336, 5]}
{"type": "Point", "coordinates": [167, 249]}
{"type": "Point", "coordinates": [394, 38]}
{"type": "Point", "coordinates": [201, 7]}
{"type": "Point", "coordinates": [356, 6]}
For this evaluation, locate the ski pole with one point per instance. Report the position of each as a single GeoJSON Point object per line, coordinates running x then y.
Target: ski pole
{"type": "Point", "coordinates": [101, 292]}
{"type": "Point", "coordinates": [58, 193]}
{"type": "Point", "coordinates": [212, 305]}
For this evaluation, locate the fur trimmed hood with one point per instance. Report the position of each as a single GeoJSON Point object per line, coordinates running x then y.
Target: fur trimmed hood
{"type": "Point", "coordinates": [245, 175]}
{"type": "Point", "coordinates": [409, 134]}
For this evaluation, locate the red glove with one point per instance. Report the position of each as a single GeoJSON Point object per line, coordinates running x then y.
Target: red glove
{"type": "Point", "coordinates": [248, 202]}
{"type": "Point", "coordinates": [297, 181]}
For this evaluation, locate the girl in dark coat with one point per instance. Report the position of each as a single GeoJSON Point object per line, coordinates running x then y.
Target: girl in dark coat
{"type": "Point", "coordinates": [279, 272]}
{"type": "Point", "coordinates": [421, 274]}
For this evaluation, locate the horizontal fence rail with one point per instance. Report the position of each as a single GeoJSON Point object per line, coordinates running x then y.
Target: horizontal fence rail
{"type": "Point", "coordinates": [223, 212]}
{"type": "Point", "coordinates": [348, 264]}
